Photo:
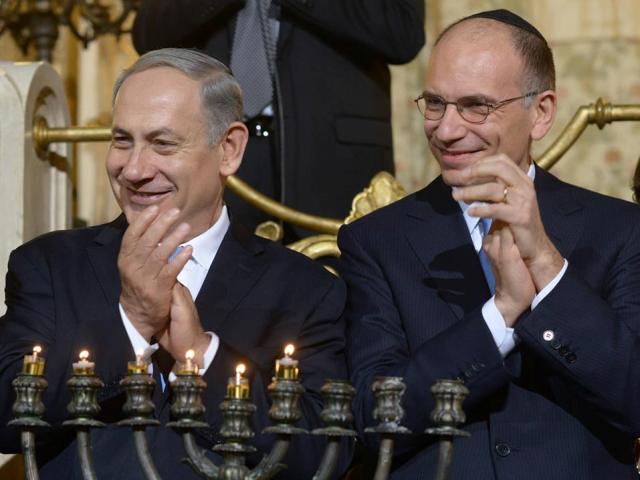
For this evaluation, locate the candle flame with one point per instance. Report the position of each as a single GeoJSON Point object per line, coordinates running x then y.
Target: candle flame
{"type": "Point", "coordinates": [139, 353]}
{"type": "Point", "coordinates": [84, 354]}
{"type": "Point", "coordinates": [190, 355]}
{"type": "Point", "coordinates": [240, 369]}
{"type": "Point", "coordinates": [37, 349]}
{"type": "Point", "coordinates": [289, 349]}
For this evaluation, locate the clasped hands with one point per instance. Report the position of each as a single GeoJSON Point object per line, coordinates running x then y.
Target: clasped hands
{"type": "Point", "coordinates": [155, 302]}
{"type": "Point", "coordinates": [523, 258]}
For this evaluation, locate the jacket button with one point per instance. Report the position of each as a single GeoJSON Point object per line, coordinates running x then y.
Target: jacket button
{"type": "Point", "coordinates": [564, 350]}
{"type": "Point", "coordinates": [572, 357]}
{"type": "Point", "coordinates": [548, 335]}
{"type": "Point", "coordinates": [503, 450]}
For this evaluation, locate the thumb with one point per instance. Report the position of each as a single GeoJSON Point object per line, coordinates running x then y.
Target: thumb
{"type": "Point", "coordinates": [180, 295]}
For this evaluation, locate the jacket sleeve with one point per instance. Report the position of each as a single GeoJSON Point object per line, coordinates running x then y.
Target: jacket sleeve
{"type": "Point", "coordinates": [391, 29]}
{"type": "Point", "coordinates": [377, 346]}
{"type": "Point", "coordinates": [593, 340]}
{"type": "Point", "coordinates": [176, 23]}
{"type": "Point", "coordinates": [28, 321]}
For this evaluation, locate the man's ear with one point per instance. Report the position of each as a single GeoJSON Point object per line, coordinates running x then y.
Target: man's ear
{"type": "Point", "coordinates": [233, 145]}
{"type": "Point", "coordinates": [544, 112]}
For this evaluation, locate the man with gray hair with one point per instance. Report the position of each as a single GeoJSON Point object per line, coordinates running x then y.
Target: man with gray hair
{"type": "Point", "coordinates": [173, 273]}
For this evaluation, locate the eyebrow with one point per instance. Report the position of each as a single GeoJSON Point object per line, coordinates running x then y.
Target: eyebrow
{"type": "Point", "coordinates": [150, 135]}
{"type": "Point", "coordinates": [473, 96]}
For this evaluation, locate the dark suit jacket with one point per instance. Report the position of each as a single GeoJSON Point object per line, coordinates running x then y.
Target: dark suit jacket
{"type": "Point", "coordinates": [560, 409]}
{"type": "Point", "coordinates": [62, 292]}
{"type": "Point", "coordinates": [332, 63]}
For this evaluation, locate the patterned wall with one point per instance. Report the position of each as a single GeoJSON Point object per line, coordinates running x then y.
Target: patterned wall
{"type": "Point", "coordinates": [597, 51]}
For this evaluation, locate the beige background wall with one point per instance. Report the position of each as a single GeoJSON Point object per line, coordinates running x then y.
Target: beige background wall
{"type": "Point", "coordinates": [597, 50]}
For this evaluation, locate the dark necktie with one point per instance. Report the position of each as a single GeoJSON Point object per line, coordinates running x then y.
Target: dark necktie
{"type": "Point", "coordinates": [249, 64]}
{"type": "Point", "coordinates": [164, 360]}
{"type": "Point", "coordinates": [485, 224]}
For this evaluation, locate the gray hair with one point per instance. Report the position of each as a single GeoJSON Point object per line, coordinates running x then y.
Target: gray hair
{"type": "Point", "coordinates": [220, 92]}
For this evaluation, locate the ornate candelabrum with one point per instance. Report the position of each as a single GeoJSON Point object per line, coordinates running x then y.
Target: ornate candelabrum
{"type": "Point", "coordinates": [447, 415]}
{"type": "Point", "coordinates": [337, 417]}
{"type": "Point", "coordinates": [138, 385]}
{"type": "Point", "coordinates": [37, 22]}
{"type": "Point", "coordinates": [29, 408]}
{"type": "Point", "coordinates": [84, 386]}
{"type": "Point", "coordinates": [389, 412]}
{"type": "Point", "coordinates": [188, 411]}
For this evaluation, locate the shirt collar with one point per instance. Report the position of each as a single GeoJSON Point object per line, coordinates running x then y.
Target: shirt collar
{"type": "Point", "coordinates": [472, 222]}
{"type": "Point", "coordinates": [205, 246]}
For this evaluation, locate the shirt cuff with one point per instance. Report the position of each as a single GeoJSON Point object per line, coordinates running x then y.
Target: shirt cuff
{"type": "Point", "coordinates": [503, 336]}
{"type": "Point", "coordinates": [209, 355]}
{"type": "Point", "coordinates": [549, 286]}
{"type": "Point", "coordinates": [138, 342]}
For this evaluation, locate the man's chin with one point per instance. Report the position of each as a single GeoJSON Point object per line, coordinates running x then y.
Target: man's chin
{"type": "Point", "coordinates": [133, 210]}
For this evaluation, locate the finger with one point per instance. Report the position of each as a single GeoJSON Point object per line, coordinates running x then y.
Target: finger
{"type": "Point", "coordinates": [506, 238]}
{"type": "Point", "coordinates": [155, 233]}
{"type": "Point", "coordinates": [169, 271]}
{"type": "Point", "coordinates": [486, 192]}
{"type": "Point", "coordinates": [180, 295]}
{"type": "Point", "coordinates": [497, 211]}
{"type": "Point", "coordinates": [465, 177]}
{"type": "Point", "coordinates": [164, 250]}
{"type": "Point", "coordinates": [500, 167]}
{"type": "Point", "coordinates": [137, 228]}
{"type": "Point", "coordinates": [491, 245]}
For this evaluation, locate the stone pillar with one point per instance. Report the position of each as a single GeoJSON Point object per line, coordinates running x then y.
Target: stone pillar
{"type": "Point", "coordinates": [35, 187]}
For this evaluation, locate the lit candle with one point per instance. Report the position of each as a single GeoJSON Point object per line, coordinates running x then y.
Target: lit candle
{"type": "Point", "coordinates": [287, 367]}
{"type": "Point", "coordinates": [238, 386]}
{"type": "Point", "coordinates": [138, 365]}
{"type": "Point", "coordinates": [84, 366]}
{"type": "Point", "coordinates": [189, 367]}
{"type": "Point", "coordinates": [33, 364]}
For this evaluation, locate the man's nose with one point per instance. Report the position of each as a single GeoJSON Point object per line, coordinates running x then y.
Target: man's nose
{"type": "Point", "coordinates": [451, 126]}
{"type": "Point", "coordinates": [138, 165]}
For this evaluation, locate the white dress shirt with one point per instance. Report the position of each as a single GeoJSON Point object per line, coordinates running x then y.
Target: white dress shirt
{"type": "Point", "coordinates": [503, 336]}
{"type": "Point", "coordinates": [205, 247]}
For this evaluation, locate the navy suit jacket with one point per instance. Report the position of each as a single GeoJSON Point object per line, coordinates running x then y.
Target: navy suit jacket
{"type": "Point", "coordinates": [558, 409]}
{"type": "Point", "coordinates": [62, 292]}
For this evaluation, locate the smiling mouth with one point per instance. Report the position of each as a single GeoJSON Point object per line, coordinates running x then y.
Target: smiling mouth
{"type": "Point", "coordinates": [457, 153]}
{"type": "Point", "coordinates": [147, 198]}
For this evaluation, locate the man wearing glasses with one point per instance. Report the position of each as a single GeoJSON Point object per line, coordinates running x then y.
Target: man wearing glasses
{"type": "Point", "coordinates": [525, 288]}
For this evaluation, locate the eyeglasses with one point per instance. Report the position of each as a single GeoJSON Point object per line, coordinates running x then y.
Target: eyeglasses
{"type": "Point", "coordinates": [472, 109]}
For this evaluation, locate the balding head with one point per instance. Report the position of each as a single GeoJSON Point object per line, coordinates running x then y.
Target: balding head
{"type": "Point", "coordinates": [538, 70]}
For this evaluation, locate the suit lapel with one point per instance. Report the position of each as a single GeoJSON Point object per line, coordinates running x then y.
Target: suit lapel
{"type": "Point", "coordinates": [112, 341]}
{"type": "Point", "coordinates": [234, 271]}
{"type": "Point", "coordinates": [562, 215]}
{"type": "Point", "coordinates": [103, 255]}
{"type": "Point", "coordinates": [283, 34]}
{"type": "Point", "coordinates": [439, 237]}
